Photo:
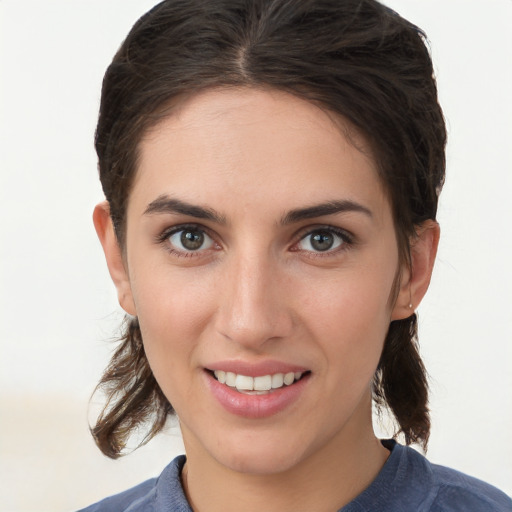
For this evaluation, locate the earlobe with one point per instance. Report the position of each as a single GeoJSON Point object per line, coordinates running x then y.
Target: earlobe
{"type": "Point", "coordinates": [113, 255]}
{"type": "Point", "coordinates": [416, 279]}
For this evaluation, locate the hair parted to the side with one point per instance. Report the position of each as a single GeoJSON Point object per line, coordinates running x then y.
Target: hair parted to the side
{"type": "Point", "coordinates": [355, 58]}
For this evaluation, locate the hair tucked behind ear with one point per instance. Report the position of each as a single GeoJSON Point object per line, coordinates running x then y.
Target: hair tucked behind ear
{"type": "Point", "coordinates": [400, 382]}
{"type": "Point", "coordinates": [133, 397]}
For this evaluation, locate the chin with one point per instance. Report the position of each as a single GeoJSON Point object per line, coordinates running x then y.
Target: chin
{"type": "Point", "coordinates": [266, 463]}
{"type": "Point", "coordinates": [260, 455]}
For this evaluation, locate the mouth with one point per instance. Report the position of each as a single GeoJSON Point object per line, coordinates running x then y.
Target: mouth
{"type": "Point", "coordinates": [257, 391]}
{"type": "Point", "coordinates": [259, 385]}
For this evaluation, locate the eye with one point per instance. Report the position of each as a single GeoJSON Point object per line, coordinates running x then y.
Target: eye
{"type": "Point", "coordinates": [190, 240]}
{"type": "Point", "coordinates": [322, 240]}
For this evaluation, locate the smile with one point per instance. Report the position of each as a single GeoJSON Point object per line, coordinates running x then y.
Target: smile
{"type": "Point", "coordinates": [270, 387]}
{"type": "Point", "coordinates": [257, 385]}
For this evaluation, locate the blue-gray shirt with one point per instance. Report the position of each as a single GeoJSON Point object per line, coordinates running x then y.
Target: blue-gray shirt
{"type": "Point", "coordinates": [408, 482]}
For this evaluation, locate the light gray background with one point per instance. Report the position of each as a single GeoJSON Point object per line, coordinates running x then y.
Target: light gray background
{"type": "Point", "coordinates": [58, 308]}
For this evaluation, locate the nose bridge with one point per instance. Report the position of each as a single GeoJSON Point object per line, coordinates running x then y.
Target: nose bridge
{"type": "Point", "coordinates": [253, 307]}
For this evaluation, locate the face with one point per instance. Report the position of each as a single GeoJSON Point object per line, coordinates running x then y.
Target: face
{"type": "Point", "coordinates": [260, 259]}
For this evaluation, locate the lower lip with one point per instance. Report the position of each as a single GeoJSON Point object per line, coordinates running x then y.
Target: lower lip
{"type": "Point", "coordinates": [256, 406]}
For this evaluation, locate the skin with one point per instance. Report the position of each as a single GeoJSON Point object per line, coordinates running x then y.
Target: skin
{"type": "Point", "coordinates": [258, 290]}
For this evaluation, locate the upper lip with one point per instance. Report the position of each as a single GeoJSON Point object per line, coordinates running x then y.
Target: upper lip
{"type": "Point", "coordinates": [255, 369]}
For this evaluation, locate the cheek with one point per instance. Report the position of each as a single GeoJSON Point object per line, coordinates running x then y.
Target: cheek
{"type": "Point", "coordinates": [172, 313]}
{"type": "Point", "coordinates": [350, 318]}
{"type": "Point", "coordinates": [352, 300]}
{"type": "Point", "coordinates": [169, 301]}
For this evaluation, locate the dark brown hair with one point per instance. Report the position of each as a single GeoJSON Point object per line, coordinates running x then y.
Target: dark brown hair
{"type": "Point", "coordinates": [355, 58]}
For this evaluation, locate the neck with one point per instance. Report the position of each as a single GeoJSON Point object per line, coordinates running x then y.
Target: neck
{"type": "Point", "coordinates": [325, 481]}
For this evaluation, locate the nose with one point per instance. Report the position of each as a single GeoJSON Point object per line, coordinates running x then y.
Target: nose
{"type": "Point", "coordinates": [254, 302]}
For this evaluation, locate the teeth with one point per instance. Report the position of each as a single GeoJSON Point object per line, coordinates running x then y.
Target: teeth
{"type": "Point", "coordinates": [256, 384]}
{"type": "Point", "coordinates": [289, 378]}
{"type": "Point", "coordinates": [231, 379]}
{"type": "Point", "coordinates": [263, 383]}
{"type": "Point", "coordinates": [243, 382]}
{"type": "Point", "coordinates": [277, 380]}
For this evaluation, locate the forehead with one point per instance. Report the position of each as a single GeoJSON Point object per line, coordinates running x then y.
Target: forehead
{"type": "Point", "coordinates": [265, 146]}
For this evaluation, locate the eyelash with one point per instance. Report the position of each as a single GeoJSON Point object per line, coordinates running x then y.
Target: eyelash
{"type": "Point", "coordinates": [346, 240]}
{"type": "Point", "coordinates": [168, 233]}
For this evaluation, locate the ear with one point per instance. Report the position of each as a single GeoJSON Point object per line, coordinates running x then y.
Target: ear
{"type": "Point", "coordinates": [416, 279]}
{"type": "Point", "coordinates": [114, 256]}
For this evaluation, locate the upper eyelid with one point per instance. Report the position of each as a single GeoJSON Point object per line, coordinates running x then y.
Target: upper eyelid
{"type": "Point", "coordinates": [171, 230]}
{"type": "Point", "coordinates": [163, 239]}
{"type": "Point", "coordinates": [297, 237]}
{"type": "Point", "coordinates": [348, 241]}
{"type": "Point", "coordinates": [308, 230]}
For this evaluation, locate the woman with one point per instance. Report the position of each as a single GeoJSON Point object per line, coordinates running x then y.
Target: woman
{"type": "Point", "coordinates": [271, 172]}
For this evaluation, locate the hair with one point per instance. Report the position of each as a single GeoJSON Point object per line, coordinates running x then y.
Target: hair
{"type": "Point", "coordinates": [355, 58]}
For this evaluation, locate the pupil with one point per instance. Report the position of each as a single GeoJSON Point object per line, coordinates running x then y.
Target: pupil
{"type": "Point", "coordinates": [192, 240]}
{"type": "Point", "coordinates": [322, 241]}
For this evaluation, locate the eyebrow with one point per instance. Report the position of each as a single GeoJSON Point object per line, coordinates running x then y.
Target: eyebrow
{"type": "Point", "coordinates": [166, 204]}
{"type": "Point", "coordinates": [328, 208]}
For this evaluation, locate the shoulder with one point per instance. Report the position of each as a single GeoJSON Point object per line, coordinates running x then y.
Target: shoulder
{"type": "Point", "coordinates": [141, 496]}
{"type": "Point", "coordinates": [154, 495]}
{"type": "Point", "coordinates": [459, 492]}
{"type": "Point", "coordinates": [447, 490]}
{"type": "Point", "coordinates": [408, 481]}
